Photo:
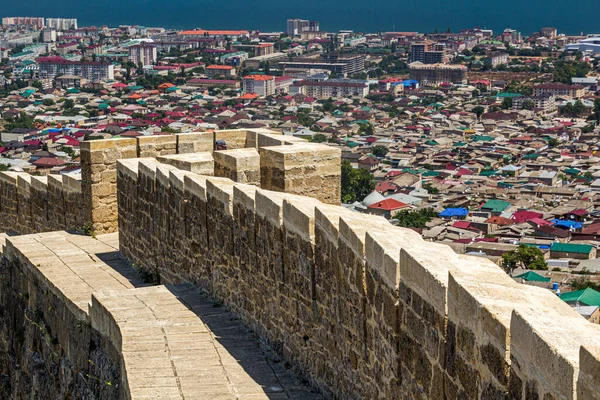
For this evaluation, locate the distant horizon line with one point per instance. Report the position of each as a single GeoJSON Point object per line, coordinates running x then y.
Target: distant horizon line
{"type": "Point", "coordinates": [173, 27]}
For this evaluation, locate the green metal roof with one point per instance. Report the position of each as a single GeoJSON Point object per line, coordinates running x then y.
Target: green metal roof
{"type": "Point", "coordinates": [531, 276]}
{"type": "Point", "coordinates": [587, 296]}
{"type": "Point", "coordinates": [488, 173]}
{"type": "Point", "coordinates": [496, 205]}
{"type": "Point", "coordinates": [509, 95]}
{"type": "Point", "coordinates": [572, 248]}
{"type": "Point", "coordinates": [460, 144]}
{"type": "Point", "coordinates": [431, 173]}
{"type": "Point", "coordinates": [482, 138]}
{"type": "Point", "coordinates": [572, 171]}
{"type": "Point", "coordinates": [530, 156]}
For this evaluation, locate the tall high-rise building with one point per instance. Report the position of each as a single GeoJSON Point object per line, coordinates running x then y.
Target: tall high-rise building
{"type": "Point", "coordinates": [427, 52]}
{"type": "Point", "coordinates": [143, 53]}
{"type": "Point", "coordinates": [61, 24]}
{"type": "Point", "coordinates": [296, 26]}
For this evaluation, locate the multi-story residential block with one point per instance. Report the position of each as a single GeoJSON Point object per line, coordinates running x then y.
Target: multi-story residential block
{"type": "Point", "coordinates": [211, 83]}
{"type": "Point", "coordinates": [497, 58]}
{"type": "Point", "coordinates": [262, 85]}
{"type": "Point", "coordinates": [543, 103]}
{"type": "Point", "coordinates": [296, 26]}
{"type": "Point", "coordinates": [334, 88]}
{"type": "Point", "coordinates": [49, 35]}
{"type": "Point", "coordinates": [436, 74]}
{"type": "Point", "coordinates": [30, 22]}
{"type": "Point", "coordinates": [51, 67]}
{"type": "Point", "coordinates": [143, 53]}
{"type": "Point", "coordinates": [427, 52]}
{"type": "Point", "coordinates": [61, 24]}
{"type": "Point", "coordinates": [213, 71]}
{"type": "Point", "coordinates": [549, 32]}
{"type": "Point", "coordinates": [339, 64]}
{"type": "Point", "coordinates": [264, 49]}
{"type": "Point", "coordinates": [66, 48]}
{"type": "Point", "coordinates": [560, 90]}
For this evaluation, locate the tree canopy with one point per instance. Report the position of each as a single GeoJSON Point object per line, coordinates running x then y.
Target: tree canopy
{"type": "Point", "coordinates": [416, 218]}
{"type": "Point", "coordinates": [356, 183]}
{"type": "Point", "coordinates": [526, 256]}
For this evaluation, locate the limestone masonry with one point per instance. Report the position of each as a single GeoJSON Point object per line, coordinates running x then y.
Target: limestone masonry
{"type": "Point", "coordinates": [355, 306]}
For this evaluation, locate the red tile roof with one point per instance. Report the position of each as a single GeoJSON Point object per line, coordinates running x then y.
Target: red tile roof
{"type": "Point", "coordinates": [389, 205]}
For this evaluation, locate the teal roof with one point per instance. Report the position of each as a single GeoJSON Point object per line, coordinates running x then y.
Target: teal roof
{"type": "Point", "coordinates": [572, 248]}
{"type": "Point", "coordinates": [530, 156]}
{"type": "Point", "coordinates": [509, 95]}
{"type": "Point", "coordinates": [482, 138]}
{"type": "Point", "coordinates": [460, 144]}
{"type": "Point", "coordinates": [587, 296]}
{"type": "Point", "coordinates": [431, 173]}
{"type": "Point", "coordinates": [134, 87]}
{"type": "Point", "coordinates": [496, 205]}
{"type": "Point", "coordinates": [572, 171]}
{"type": "Point", "coordinates": [488, 173]}
{"type": "Point", "coordinates": [531, 276]}
{"type": "Point", "coordinates": [172, 89]}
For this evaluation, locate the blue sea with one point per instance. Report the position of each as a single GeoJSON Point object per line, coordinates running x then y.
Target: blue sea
{"type": "Point", "coordinates": [570, 17]}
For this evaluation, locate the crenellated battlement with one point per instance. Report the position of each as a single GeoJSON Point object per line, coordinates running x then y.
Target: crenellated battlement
{"type": "Point", "coordinates": [362, 308]}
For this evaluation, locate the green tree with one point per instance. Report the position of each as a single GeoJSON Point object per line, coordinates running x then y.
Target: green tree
{"type": "Point", "coordinates": [37, 85]}
{"type": "Point", "coordinates": [596, 111]}
{"type": "Point", "coordinates": [507, 103]}
{"type": "Point", "coordinates": [379, 151]}
{"type": "Point", "coordinates": [564, 70]}
{"type": "Point", "coordinates": [479, 110]}
{"type": "Point", "coordinates": [415, 218]}
{"type": "Point", "coordinates": [357, 183]}
{"type": "Point", "coordinates": [527, 256]}
{"type": "Point", "coordinates": [48, 102]}
{"type": "Point", "coordinates": [366, 129]}
{"type": "Point", "coordinates": [68, 104]}
{"type": "Point", "coordinates": [318, 138]}
{"type": "Point", "coordinates": [553, 142]}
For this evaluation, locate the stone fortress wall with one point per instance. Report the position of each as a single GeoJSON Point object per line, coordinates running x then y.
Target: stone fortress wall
{"type": "Point", "coordinates": [365, 309]}
{"type": "Point", "coordinates": [30, 204]}
{"type": "Point", "coordinates": [361, 308]}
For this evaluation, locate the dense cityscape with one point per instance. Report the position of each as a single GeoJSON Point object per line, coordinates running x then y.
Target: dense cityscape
{"type": "Point", "coordinates": [484, 141]}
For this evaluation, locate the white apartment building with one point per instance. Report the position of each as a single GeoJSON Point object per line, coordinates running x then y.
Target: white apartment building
{"type": "Point", "coordinates": [143, 53]}
{"type": "Point", "coordinates": [61, 24]}
{"type": "Point", "coordinates": [331, 88]}
{"type": "Point", "coordinates": [262, 85]}
{"type": "Point", "coordinates": [51, 67]}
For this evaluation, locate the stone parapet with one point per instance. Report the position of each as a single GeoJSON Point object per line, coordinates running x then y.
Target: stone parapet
{"type": "Point", "coordinates": [195, 142]}
{"type": "Point", "coordinates": [365, 309]}
{"type": "Point", "coordinates": [239, 165]}
{"type": "Point", "coordinates": [198, 163]}
{"type": "Point", "coordinates": [99, 180]}
{"type": "Point", "coordinates": [311, 170]}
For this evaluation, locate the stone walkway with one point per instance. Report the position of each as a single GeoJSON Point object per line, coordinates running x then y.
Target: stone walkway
{"type": "Point", "coordinates": [176, 342]}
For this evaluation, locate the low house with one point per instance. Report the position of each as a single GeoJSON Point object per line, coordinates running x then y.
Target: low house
{"type": "Point", "coordinates": [570, 250]}
{"type": "Point", "coordinates": [454, 213]}
{"type": "Point", "coordinates": [495, 207]}
{"type": "Point", "coordinates": [387, 208]}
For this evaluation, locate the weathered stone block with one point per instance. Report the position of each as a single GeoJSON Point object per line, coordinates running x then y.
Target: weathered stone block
{"type": "Point", "coordinates": [199, 163]}
{"type": "Point", "coordinates": [239, 165]}
{"type": "Point", "coordinates": [311, 170]}
{"type": "Point", "coordinates": [195, 142]}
